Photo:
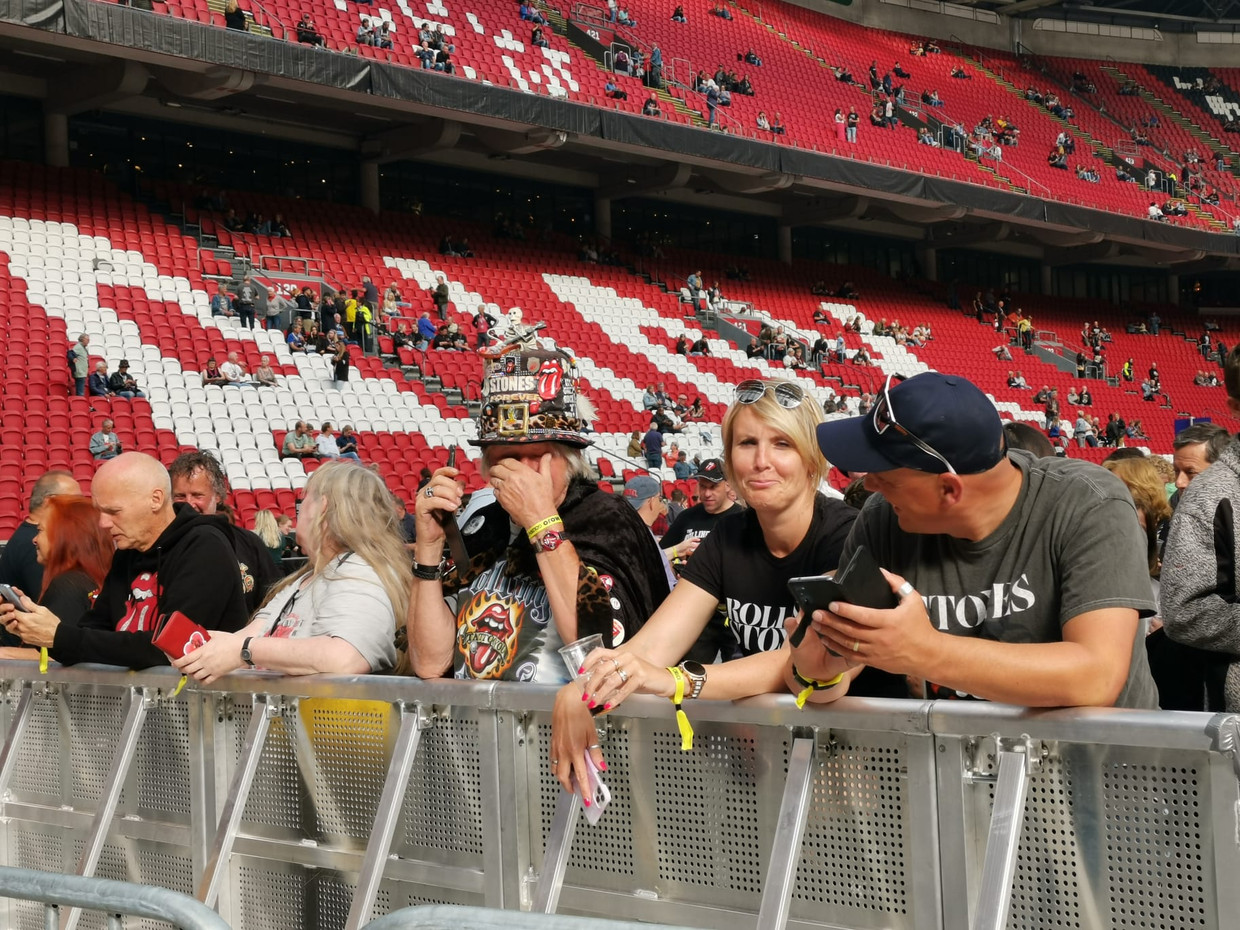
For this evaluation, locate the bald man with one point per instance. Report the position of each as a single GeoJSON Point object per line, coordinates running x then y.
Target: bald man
{"type": "Point", "coordinates": [19, 565]}
{"type": "Point", "coordinates": [168, 557]}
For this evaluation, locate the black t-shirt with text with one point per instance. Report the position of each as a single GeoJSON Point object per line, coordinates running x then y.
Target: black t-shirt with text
{"type": "Point", "coordinates": [693, 523]}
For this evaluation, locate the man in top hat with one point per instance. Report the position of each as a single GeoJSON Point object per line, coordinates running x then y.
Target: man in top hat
{"type": "Point", "coordinates": [554, 559]}
{"type": "Point", "coordinates": [1019, 580]}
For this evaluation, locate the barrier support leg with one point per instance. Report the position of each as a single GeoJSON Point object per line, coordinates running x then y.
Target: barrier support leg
{"type": "Point", "coordinates": [238, 792]}
{"type": "Point", "coordinates": [388, 814]}
{"type": "Point", "coordinates": [559, 845]}
{"type": "Point", "coordinates": [786, 849]}
{"type": "Point", "coordinates": [1017, 761]}
{"type": "Point", "coordinates": [131, 729]}
{"type": "Point", "coordinates": [17, 729]}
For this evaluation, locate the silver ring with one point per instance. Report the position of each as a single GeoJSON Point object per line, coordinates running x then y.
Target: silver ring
{"type": "Point", "coordinates": [555, 761]}
{"type": "Point", "coordinates": [594, 746]}
{"type": "Point", "coordinates": [616, 663]}
{"type": "Point", "coordinates": [904, 590]}
{"type": "Point", "coordinates": [622, 676]}
{"type": "Point", "coordinates": [429, 492]}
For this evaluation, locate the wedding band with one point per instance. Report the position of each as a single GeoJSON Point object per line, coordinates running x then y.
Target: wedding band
{"type": "Point", "coordinates": [616, 663]}
{"type": "Point", "coordinates": [430, 492]}
{"type": "Point", "coordinates": [856, 645]}
{"type": "Point", "coordinates": [555, 761]}
{"type": "Point", "coordinates": [904, 590]}
{"type": "Point", "coordinates": [623, 677]}
{"type": "Point", "coordinates": [594, 746]}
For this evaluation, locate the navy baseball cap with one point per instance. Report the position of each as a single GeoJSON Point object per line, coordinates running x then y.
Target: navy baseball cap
{"type": "Point", "coordinates": [640, 488]}
{"type": "Point", "coordinates": [712, 471]}
{"type": "Point", "coordinates": [931, 422]}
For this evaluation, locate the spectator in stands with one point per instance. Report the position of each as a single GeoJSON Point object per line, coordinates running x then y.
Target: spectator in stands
{"type": "Point", "coordinates": [1002, 353]}
{"type": "Point", "coordinates": [771, 462]}
{"type": "Point", "coordinates": [198, 480]}
{"type": "Point", "coordinates": [1086, 399]}
{"type": "Point", "coordinates": [1122, 173]}
{"type": "Point", "coordinates": [212, 374]}
{"type": "Point", "coordinates": [924, 138]}
{"type": "Point", "coordinates": [97, 385]}
{"type": "Point", "coordinates": [1084, 431]}
{"type": "Point", "coordinates": [440, 297]}
{"type": "Point", "coordinates": [1155, 212]}
{"type": "Point", "coordinates": [299, 443]}
{"type": "Point", "coordinates": [959, 72]}
{"type": "Point", "coordinates": [426, 331]}
{"type": "Point", "coordinates": [777, 125]}
{"type": "Point", "coordinates": [622, 63]}
{"type": "Point", "coordinates": [678, 14]}
{"type": "Point", "coordinates": [624, 19]}
{"type": "Point", "coordinates": [383, 39]}
{"type": "Point", "coordinates": [764, 124]}
{"type": "Point", "coordinates": [338, 614]}
{"type": "Point", "coordinates": [652, 445]}
{"type": "Point", "coordinates": [122, 383]}
{"type": "Point", "coordinates": [365, 32]}
{"type": "Point", "coordinates": [750, 58]}
{"type": "Point", "coordinates": [585, 558]}
{"type": "Point", "coordinates": [532, 14]}
{"type": "Point", "coordinates": [20, 566]}
{"type": "Point", "coordinates": [307, 32]}
{"type": "Point", "coordinates": [347, 441]}
{"type": "Point", "coordinates": [221, 304]}
{"type": "Point", "coordinates": [247, 295]}
{"type": "Point", "coordinates": [234, 17]}
{"type": "Point", "coordinates": [944, 477]}
{"type": "Point", "coordinates": [889, 115]}
{"type": "Point", "coordinates": [613, 91]}
{"type": "Point", "coordinates": [326, 446]}
{"type": "Point", "coordinates": [73, 553]}
{"type": "Point", "coordinates": [168, 558]}
{"type": "Point", "coordinates": [264, 374]}
{"type": "Point", "coordinates": [340, 364]}
{"type": "Point", "coordinates": [538, 39]}
{"type": "Point", "coordinates": [842, 74]}
{"type": "Point", "coordinates": [105, 444]}
{"type": "Point", "coordinates": [233, 371]}
{"type": "Point", "coordinates": [721, 11]}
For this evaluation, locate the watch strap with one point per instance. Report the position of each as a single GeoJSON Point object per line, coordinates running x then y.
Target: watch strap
{"type": "Point", "coordinates": [427, 572]}
{"type": "Point", "coordinates": [245, 652]}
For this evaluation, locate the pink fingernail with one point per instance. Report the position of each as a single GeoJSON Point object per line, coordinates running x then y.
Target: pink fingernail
{"type": "Point", "coordinates": [591, 703]}
{"type": "Point", "coordinates": [602, 766]}
{"type": "Point", "coordinates": [581, 670]}
{"type": "Point", "coordinates": [607, 706]}
{"type": "Point", "coordinates": [585, 696]}
{"type": "Point", "coordinates": [587, 800]}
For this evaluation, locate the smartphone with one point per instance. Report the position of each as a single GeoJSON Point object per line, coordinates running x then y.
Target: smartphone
{"type": "Point", "coordinates": [10, 595]}
{"type": "Point", "coordinates": [597, 792]}
{"type": "Point", "coordinates": [452, 456]}
{"type": "Point", "coordinates": [860, 582]}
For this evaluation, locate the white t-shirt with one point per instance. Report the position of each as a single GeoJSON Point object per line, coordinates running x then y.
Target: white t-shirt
{"type": "Point", "coordinates": [232, 371]}
{"type": "Point", "coordinates": [327, 447]}
{"type": "Point", "coordinates": [347, 601]}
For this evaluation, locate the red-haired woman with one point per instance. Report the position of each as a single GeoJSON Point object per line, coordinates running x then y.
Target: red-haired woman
{"type": "Point", "coordinates": [75, 553]}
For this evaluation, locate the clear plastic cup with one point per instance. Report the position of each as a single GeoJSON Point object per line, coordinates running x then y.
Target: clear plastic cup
{"type": "Point", "coordinates": [574, 654]}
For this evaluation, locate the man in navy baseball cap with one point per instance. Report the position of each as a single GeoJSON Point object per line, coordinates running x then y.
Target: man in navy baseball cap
{"type": "Point", "coordinates": [936, 423]}
{"type": "Point", "coordinates": [1020, 579]}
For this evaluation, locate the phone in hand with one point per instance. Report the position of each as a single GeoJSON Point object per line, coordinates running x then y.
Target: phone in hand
{"type": "Point", "coordinates": [7, 592]}
{"type": "Point", "coordinates": [598, 793]}
{"type": "Point", "coordinates": [860, 582]}
{"type": "Point", "coordinates": [452, 456]}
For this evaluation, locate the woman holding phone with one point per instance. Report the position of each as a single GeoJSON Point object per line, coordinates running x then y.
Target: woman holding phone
{"type": "Point", "coordinates": [75, 553]}
{"type": "Point", "coordinates": [788, 529]}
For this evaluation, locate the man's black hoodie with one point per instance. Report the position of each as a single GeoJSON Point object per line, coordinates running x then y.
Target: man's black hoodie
{"type": "Point", "coordinates": [190, 568]}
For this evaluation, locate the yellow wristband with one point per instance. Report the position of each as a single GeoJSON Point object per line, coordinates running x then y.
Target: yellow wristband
{"type": "Point", "coordinates": [673, 553]}
{"type": "Point", "coordinates": [542, 526]}
{"type": "Point", "coordinates": [810, 685]}
{"type": "Point", "coordinates": [43, 660]}
{"type": "Point", "coordinates": [682, 719]}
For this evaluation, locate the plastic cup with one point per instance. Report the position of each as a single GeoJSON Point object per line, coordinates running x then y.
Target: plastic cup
{"type": "Point", "coordinates": [574, 654]}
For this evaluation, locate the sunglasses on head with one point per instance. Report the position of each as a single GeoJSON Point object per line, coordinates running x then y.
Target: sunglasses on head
{"type": "Point", "coordinates": [885, 418]}
{"type": "Point", "coordinates": [787, 394]}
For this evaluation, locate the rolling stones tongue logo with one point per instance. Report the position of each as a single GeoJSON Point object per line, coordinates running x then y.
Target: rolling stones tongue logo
{"type": "Point", "coordinates": [550, 377]}
{"type": "Point", "coordinates": [487, 634]}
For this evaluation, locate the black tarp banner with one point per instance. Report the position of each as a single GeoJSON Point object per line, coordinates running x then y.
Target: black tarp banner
{"type": "Point", "coordinates": [38, 14]}
{"type": "Point", "coordinates": [169, 35]}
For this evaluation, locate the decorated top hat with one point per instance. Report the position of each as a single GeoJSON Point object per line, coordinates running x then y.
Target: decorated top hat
{"type": "Point", "coordinates": [530, 395]}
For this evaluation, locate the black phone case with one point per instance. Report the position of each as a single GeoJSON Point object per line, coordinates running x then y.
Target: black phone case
{"type": "Point", "coordinates": [859, 582]}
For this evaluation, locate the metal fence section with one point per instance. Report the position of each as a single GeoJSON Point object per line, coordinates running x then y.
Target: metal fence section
{"type": "Point", "coordinates": [330, 802]}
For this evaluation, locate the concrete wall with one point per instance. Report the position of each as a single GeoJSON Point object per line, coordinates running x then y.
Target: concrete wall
{"type": "Point", "coordinates": [1174, 48]}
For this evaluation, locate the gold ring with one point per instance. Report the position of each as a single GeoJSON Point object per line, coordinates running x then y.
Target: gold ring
{"type": "Point", "coordinates": [856, 645]}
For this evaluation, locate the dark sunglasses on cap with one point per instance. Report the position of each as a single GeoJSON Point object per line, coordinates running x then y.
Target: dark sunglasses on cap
{"type": "Point", "coordinates": [885, 418]}
{"type": "Point", "coordinates": [787, 394]}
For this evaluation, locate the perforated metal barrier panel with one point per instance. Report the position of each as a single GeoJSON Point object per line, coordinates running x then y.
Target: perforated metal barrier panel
{"type": "Point", "coordinates": [1130, 819]}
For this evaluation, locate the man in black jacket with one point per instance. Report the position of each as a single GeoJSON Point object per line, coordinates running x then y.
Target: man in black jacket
{"type": "Point", "coordinates": [167, 558]}
{"type": "Point", "coordinates": [198, 480]}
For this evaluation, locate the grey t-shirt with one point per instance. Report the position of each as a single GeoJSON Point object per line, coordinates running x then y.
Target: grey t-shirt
{"type": "Point", "coordinates": [347, 600]}
{"type": "Point", "coordinates": [1071, 544]}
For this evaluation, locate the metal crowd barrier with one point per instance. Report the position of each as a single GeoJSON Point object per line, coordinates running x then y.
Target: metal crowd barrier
{"type": "Point", "coordinates": [329, 802]}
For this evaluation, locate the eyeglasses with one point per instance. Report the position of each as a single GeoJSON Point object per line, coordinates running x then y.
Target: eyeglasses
{"type": "Point", "coordinates": [787, 394]}
{"type": "Point", "coordinates": [884, 418]}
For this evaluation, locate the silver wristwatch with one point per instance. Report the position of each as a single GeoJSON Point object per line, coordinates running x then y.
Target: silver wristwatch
{"type": "Point", "coordinates": [695, 672]}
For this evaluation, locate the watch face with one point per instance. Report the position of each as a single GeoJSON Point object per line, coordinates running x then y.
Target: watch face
{"type": "Point", "coordinates": [695, 669]}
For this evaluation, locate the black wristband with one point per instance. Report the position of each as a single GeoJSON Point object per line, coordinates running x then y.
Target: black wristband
{"type": "Point", "coordinates": [427, 572]}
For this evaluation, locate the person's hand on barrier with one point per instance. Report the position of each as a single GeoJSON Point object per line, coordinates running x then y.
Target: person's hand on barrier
{"type": "Point", "coordinates": [611, 676]}
{"type": "Point", "coordinates": [896, 640]}
{"type": "Point", "coordinates": [812, 659]}
{"type": "Point", "coordinates": [572, 736]}
{"type": "Point", "coordinates": [440, 497]}
{"type": "Point", "coordinates": [215, 658]}
{"type": "Point", "coordinates": [36, 626]}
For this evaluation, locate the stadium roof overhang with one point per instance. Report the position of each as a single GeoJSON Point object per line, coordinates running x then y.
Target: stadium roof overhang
{"type": "Point", "coordinates": [421, 116]}
{"type": "Point", "coordinates": [1176, 15]}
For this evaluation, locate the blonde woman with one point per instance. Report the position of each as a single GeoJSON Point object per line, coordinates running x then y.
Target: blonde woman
{"type": "Point", "coordinates": [266, 528]}
{"type": "Point", "coordinates": [338, 614]}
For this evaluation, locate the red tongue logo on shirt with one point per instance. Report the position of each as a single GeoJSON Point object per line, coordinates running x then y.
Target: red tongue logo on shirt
{"type": "Point", "coordinates": [550, 377]}
{"type": "Point", "coordinates": [488, 634]}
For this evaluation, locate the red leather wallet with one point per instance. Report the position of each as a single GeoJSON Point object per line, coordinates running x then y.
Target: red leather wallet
{"type": "Point", "coordinates": [177, 635]}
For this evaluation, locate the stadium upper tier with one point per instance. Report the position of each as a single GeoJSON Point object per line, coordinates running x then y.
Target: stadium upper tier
{"type": "Point", "coordinates": [798, 49]}
{"type": "Point", "coordinates": [77, 256]}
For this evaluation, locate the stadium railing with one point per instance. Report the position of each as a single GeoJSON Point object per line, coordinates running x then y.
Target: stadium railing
{"type": "Point", "coordinates": [328, 801]}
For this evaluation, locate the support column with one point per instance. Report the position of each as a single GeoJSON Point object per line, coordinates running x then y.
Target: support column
{"type": "Point", "coordinates": [56, 139]}
{"type": "Point", "coordinates": [1048, 279]}
{"type": "Point", "coordinates": [602, 216]}
{"type": "Point", "coordinates": [928, 257]}
{"type": "Point", "coordinates": [370, 185]}
{"type": "Point", "coordinates": [1173, 289]}
{"type": "Point", "coordinates": [785, 244]}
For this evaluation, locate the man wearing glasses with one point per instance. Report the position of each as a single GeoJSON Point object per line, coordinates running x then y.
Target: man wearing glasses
{"type": "Point", "coordinates": [1021, 580]}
